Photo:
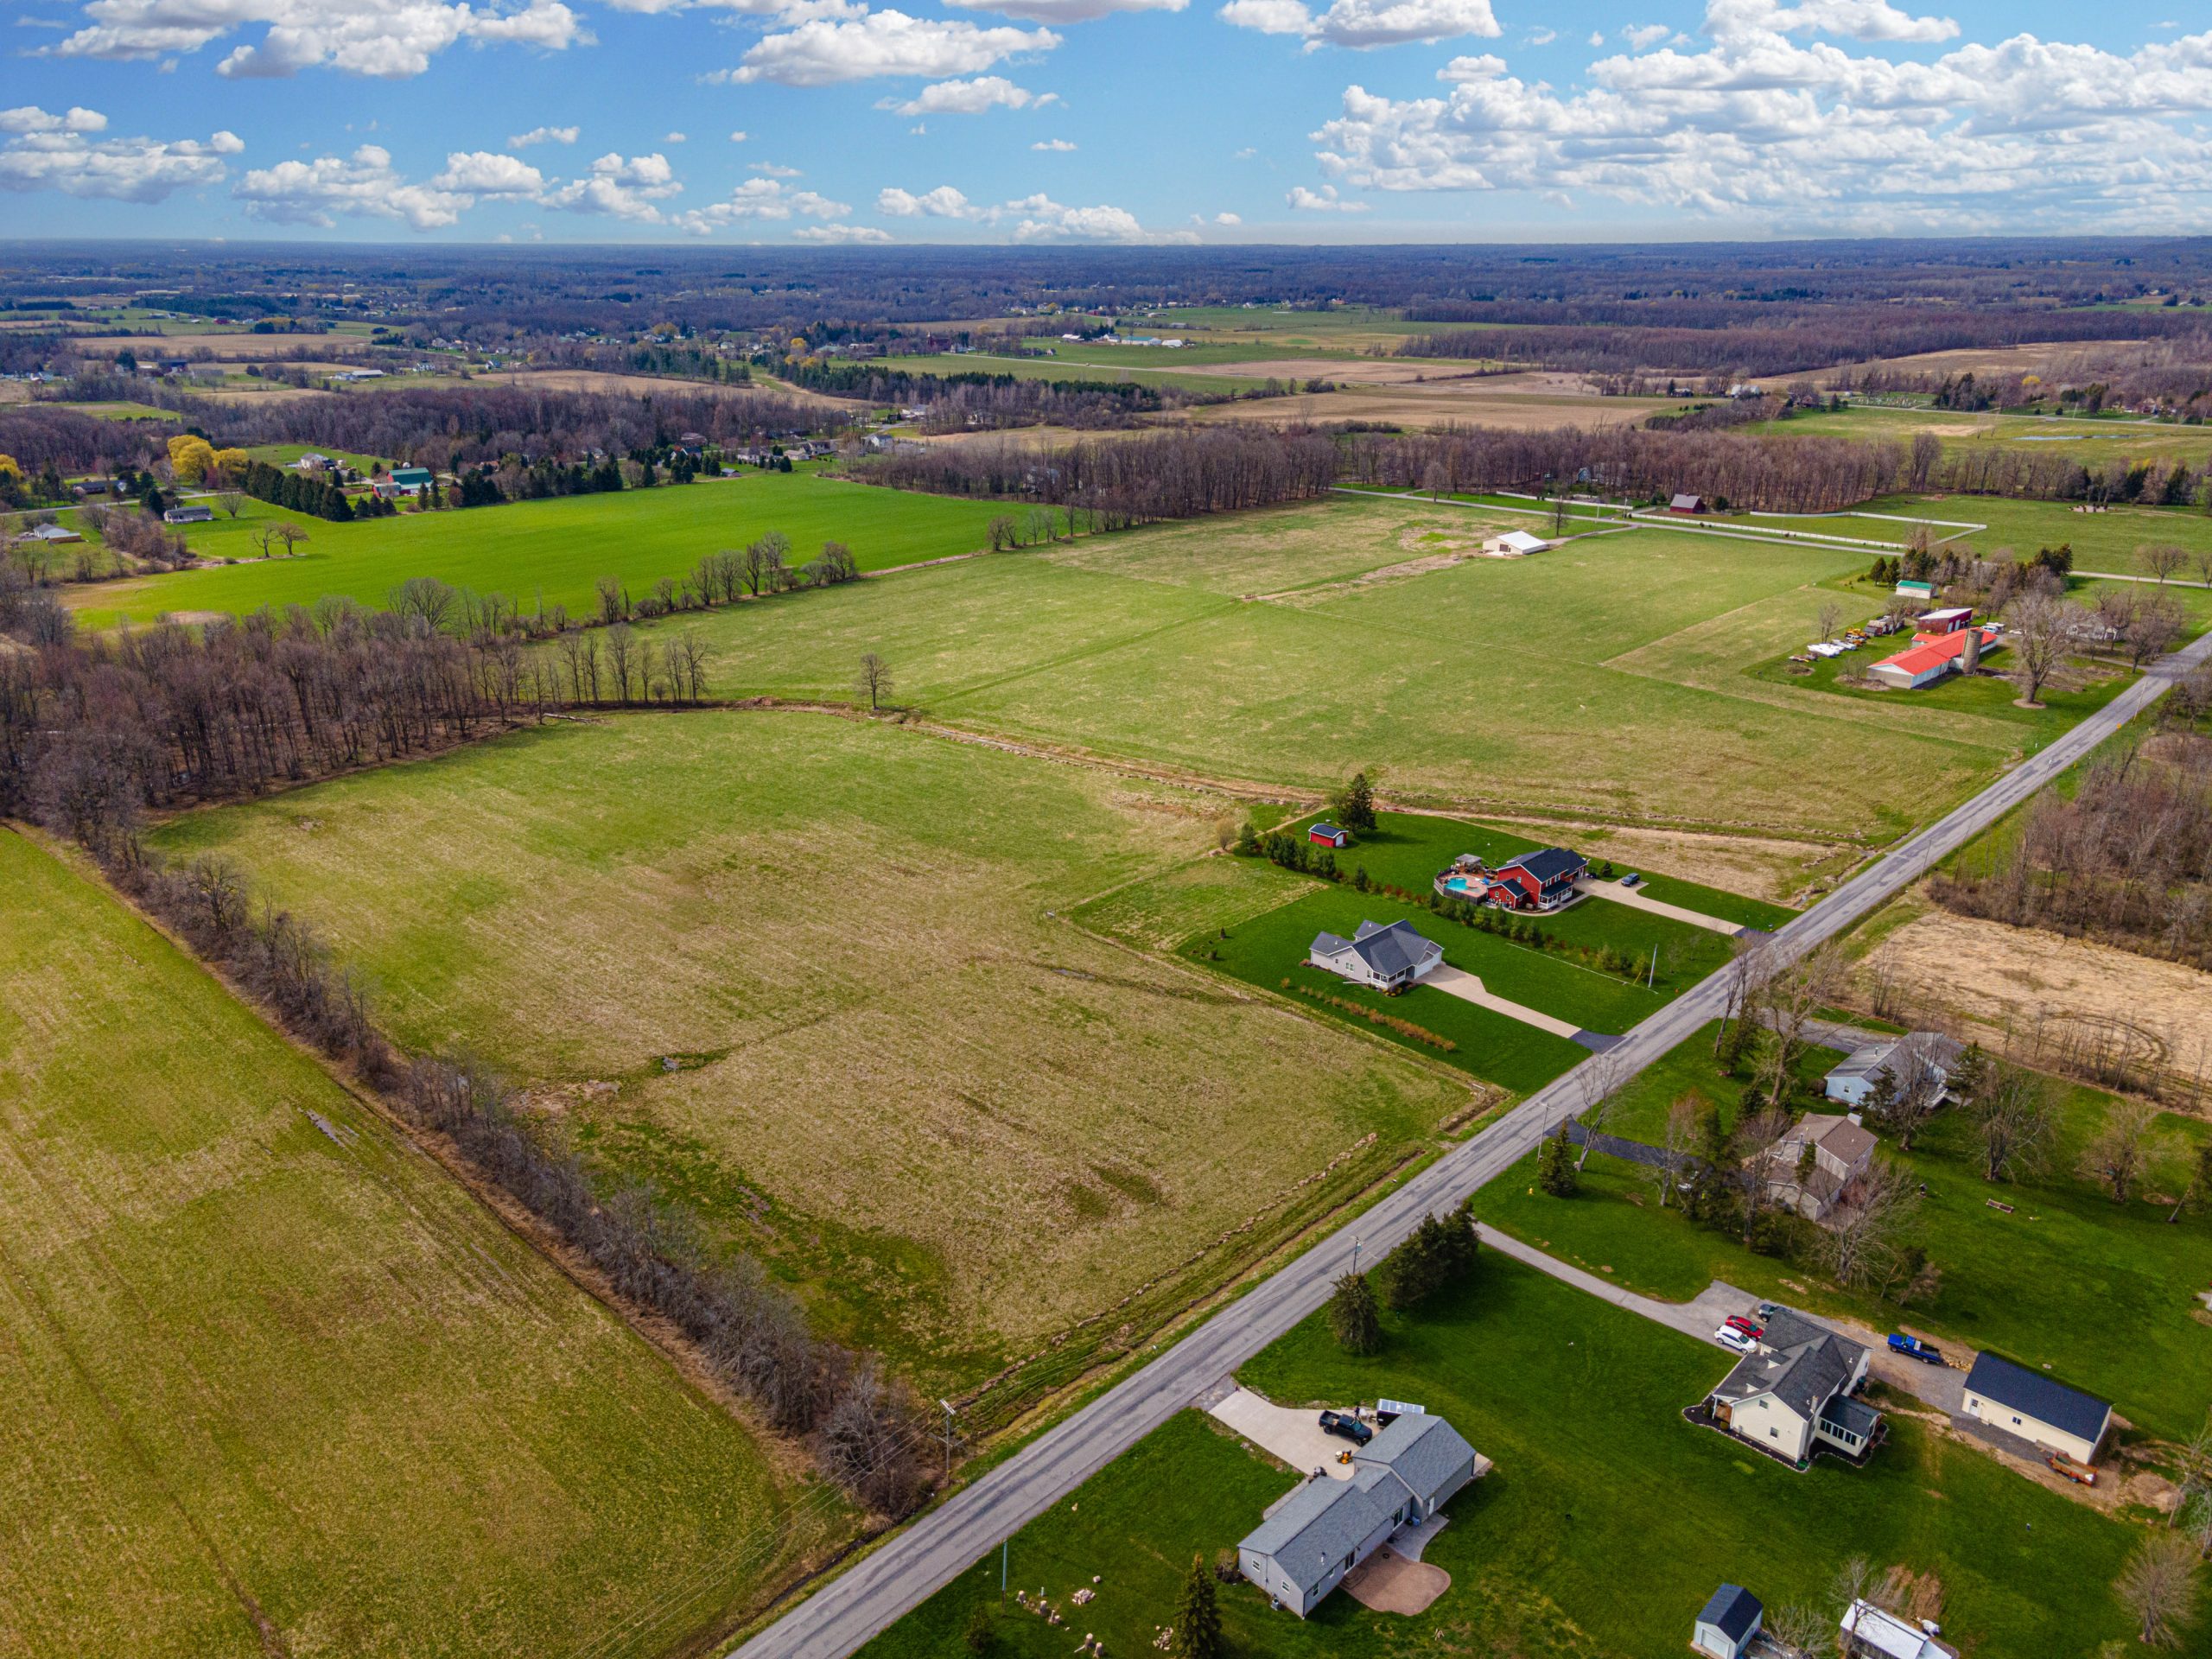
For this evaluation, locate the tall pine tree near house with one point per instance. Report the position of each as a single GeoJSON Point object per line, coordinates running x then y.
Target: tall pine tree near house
{"type": "Point", "coordinates": [1198, 1619]}
{"type": "Point", "coordinates": [1354, 805]}
{"type": "Point", "coordinates": [1353, 1318]}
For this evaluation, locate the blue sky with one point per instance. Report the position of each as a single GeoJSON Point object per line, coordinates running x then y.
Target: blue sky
{"type": "Point", "coordinates": [1108, 120]}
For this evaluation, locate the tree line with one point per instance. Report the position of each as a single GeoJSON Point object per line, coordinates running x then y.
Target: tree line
{"type": "Point", "coordinates": [1114, 484]}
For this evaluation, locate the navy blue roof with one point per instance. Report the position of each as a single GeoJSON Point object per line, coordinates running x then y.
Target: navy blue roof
{"type": "Point", "coordinates": [1732, 1611]}
{"type": "Point", "coordinates": [2033, 1394]}
{"type": "Point", "coordinates": [1546, 865]}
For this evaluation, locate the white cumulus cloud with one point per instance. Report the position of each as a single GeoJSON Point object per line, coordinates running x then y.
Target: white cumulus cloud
{"type": "Point", "coordinates": [364, 185]}
{"type": "Point", "coordinates": [835, 233]}
{"type": "Point", "coordinates": [621, 187]}
{"type": "Point", "coordinates": [1324, 201]}
{"type": "Point", "coordinates": [544, 135]}
{"type": "Point", "coordinates": [969, 97]}
{"type": "Point", "coordinates": [46, 151]}
{"type": "Point", "coordinates": [390, 38]}
{"type": "Point", "coordinates": [1066, 11]}
{"type": "Point", "coordinates": [758, 199]}
{"type": "Point", "coordinates": [1033, 217]}
{"type": "Point", "coordinates": [486, 172]}
{"type": "Point", "coordinates": [1365, 23]}
{"type": "Point", "coordinates": [1819, 133]}
{"type": "Point", "coordinates": [887, 42]}
{"type": "Point", "coordinates": [1055, 146]}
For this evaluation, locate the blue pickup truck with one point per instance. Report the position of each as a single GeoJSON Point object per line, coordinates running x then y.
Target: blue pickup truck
{"type": "Point", "coordinates": [1914, 1348]}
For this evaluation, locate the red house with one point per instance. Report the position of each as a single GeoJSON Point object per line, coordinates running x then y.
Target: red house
{"type": "Point", "coordinates": [1541, 880]}
{"type": "Point", "coordinates": [1327, 835]}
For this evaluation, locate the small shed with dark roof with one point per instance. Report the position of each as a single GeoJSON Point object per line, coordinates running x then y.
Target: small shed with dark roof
{"type": "Point", "coordinates": [2026, 1403]}
{"type": "Point", "coordinates": [1729, 1620]}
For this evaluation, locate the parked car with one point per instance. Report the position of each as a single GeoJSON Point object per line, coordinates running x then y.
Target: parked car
{"type": "Point", "coordinates": [1914, 1348]}
{"type": "Point", "coordinates": [1343, 1425]}
{"type": "Point", "coordinates": [1768, 1310]}
{"type": "Point", "coordinates": [1730, 1337]}
{"type": "Point", "coordinates": [1632, 880]}
{"type": "Point", "coordinates": [1749, 1327]}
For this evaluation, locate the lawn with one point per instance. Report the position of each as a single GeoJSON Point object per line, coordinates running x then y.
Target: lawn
{"type": "Point", "coordinates": [806, 974]}
{"type": "Point", "coordinates": [555, 550]}
{"type": "Point", "coordinates": [262, 1359]}
{"type": "Point", "coordinates": [1604, 1527]}
{"type": "Point", "coordinates": [2091, 440]}
{"type": "Point", "coordinates": [2099, 1291]}
{"type": "Point", "coordinates": [1546, 684]}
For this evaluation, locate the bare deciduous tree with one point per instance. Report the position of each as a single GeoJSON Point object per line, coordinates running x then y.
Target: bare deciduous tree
{"type": "Point", "coordinates": [1678, 1136]}
{"type": "Point", "coordinates": [2164, 559]}
{"type": "Point", "coordinates": [1790, 1000]}
{"type": "Point", "coordinates": [873, 682]}
{"type": "Point", "coordinates": [2044, 631]}
{"type": "Point", "coordinates": [1861, 1244]}
{"type": "Point", "coordinates": [2013, 1120]}
{"type": "Point", "coordinates": [2159, 1589]}
{"type": "Point", "coordinates": [2117, 1153]}
{"type": "Point", "coordinates": [1830, 616]}
{"type": "Point", "coordinates": [230, 501]}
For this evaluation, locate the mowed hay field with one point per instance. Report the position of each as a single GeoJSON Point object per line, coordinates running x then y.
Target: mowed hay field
{"type": "Point", "coordinates": [275, 1384]}
{"type": "Point", "coordinates": [1294, 646]}
{"type": "Point", "coordinates": [556, 550]}
{"type": "Point", "coordinates": [804, 972]}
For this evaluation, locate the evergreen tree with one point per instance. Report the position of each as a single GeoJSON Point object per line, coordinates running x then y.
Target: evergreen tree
{"type": "Point", "coordinates": [1198, 1619]}
{"type": "Point", "coordinates": [1354, 805]}
{"type": "Point", "coordinates": [1248, 840]}
{"type": "Point", "coordinates": [1353, 1317]}
{"type": "Point", "coordinates": [1555, 1170]}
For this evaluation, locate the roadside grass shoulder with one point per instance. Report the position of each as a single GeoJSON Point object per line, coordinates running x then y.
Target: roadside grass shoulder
{"type": "Point", "coordinates": [2102, 1293]}
{"type": "Point", "coordinates": [1604, 1525]}
{"type": "Point", "coordinates": [257, 1346]}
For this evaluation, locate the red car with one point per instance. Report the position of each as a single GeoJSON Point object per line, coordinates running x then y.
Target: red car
{"type": "Point", "coordinates": [1749, 1327]}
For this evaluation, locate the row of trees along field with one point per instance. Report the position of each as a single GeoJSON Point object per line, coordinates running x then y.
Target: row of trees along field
{"type": "Point", "coordinates": [94, 731]}
{"type": "Point", "coordinates": [1177, 473]}
{"type": "Point", "coordinates": [2127, 859]}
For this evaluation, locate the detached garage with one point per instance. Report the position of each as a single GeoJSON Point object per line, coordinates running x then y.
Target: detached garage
{"type": "Point", "coordinates": [2032, 1406]}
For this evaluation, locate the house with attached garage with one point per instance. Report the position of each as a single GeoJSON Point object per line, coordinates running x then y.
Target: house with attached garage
{"type": "Point", "coordinates": [1383, 958]}
{"type": "Point", "coordinates": [1792, 1395]}
{"type": "Point", "coordinates": [1305, 1544]}
{"type": "Point", "coordinates": [2036, 1408]}
{"type": "Point", "coordinates": [1539, 881]}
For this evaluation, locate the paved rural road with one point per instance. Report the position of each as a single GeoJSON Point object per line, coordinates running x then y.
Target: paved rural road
{"type": "Point", "coordinates": [846, 1611]}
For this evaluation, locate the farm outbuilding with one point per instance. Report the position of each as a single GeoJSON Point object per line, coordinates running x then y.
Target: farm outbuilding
{"type": "Point", "coordinates": [1932, 656]}
{"type": "Point", "coordinates": [2036, 1408]}
{"type": "Point", "coordinates": [1687, 503]}
{"type": "Point", "coordinates": [1329, 835]}
{"type": "Point", "coordinates": [1729, 1623]}
{"type": "Point", "coordinates": [1513, 544]}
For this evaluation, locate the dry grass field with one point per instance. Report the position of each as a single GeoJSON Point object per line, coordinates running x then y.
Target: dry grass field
{"type": "Point", "coordinates": [274, 1384]}
{"type": "Point", "coordinates": [1386, 391]}
{"type": "Point", "coordinates": [807, 974]}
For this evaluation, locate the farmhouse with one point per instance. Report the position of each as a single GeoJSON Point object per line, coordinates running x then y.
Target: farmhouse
{"type": "Point", "coordinates": [312, 461]}
{"type": "Point", "coordinates": [1386, 958]}
{"type": "Point", "coordinates": [1841, 1152]}
{"type": "Point", "coordinates": [1304, 1546]}
{"type": "Point", "coordinates": [187, 515]}
{"type": "Point", "coordinates": [1687, 503]}
{"type": "Point", "coordinates": [1918, 1060]}
{"type": "Point", "coordinates": [2030, 1405]}
{"type": "Point", "coordinates": [1513, 544]}
{"type": "Point", "coordinates": [1325, 834]}
{"type": "Point", "coordinates": [1790, 1395]}
{"type": "Point", "coordinates": [1727, 1627]}
{"type": "Point", "coordinates": [1932, 656]}
{"type": "Point", "coordinates": [1539, 881]}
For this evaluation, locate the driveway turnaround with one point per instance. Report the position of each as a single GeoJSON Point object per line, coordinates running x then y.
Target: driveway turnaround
{"type": "Point", "coordinates": [1636, 899]}
{"type": "Point", "coordinates": [907, 1570]}
{"type": "Point", "coordinates": [1468, 988]}
{"type": "Point", "coordinates": [1294, 1436]}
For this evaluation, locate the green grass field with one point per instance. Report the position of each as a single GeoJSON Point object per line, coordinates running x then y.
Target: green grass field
{"type": "Point", "coordinates": [1092, 365]}
{"type": "Point", "coordinates": [1604, 1525]}
{"type": "Point", "coordinates": [557, 549]}
{"type": "Point", "coordinates": [2101, 1292]}
{"type": "Point", "coordinates": [806, 974]}
{"type": "Point", "coordinates": [264, 1363]}
{"type": "Point", "coordinates": [1605, 679]}
{"type": "Point", "coordinates": [2091, 440]}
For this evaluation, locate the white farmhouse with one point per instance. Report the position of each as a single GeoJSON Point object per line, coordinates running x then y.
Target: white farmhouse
{"type": "Point", "coordinates": [1384, 958]}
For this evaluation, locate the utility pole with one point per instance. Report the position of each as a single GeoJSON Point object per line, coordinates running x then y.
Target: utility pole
{"type": "Point", "coordinates": [1652, 979]}
{"type": "Point", "coordinates": [1355, 1253]}
{"type": "Point", "coordinates": [948, 1437]}
{"type": "Point", "coordinates": [1003, 1544]}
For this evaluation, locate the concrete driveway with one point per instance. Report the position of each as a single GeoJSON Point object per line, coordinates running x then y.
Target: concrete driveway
{"type": "Point", "coordinates": [1293, 1434]}
{"type": "Point", "coordinates": [1636, 899]}
{"type": "Point", "coordinates": [1468, 988]}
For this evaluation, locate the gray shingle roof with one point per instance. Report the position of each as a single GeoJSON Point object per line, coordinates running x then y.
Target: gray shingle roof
{"type": "Point", "coordinates": [1798, 1363]}
{"type": "Point", "coordinates": [1318, 1526]}
{"type": "Point", "coordinates": [1732, 1611]}
{"type": "Point", "coordinates": [1422, 1450]}
{"type": "Point", "coordinates": [1390, 951]}
{"type": "Point", "coordinates": [2033, 1394]}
